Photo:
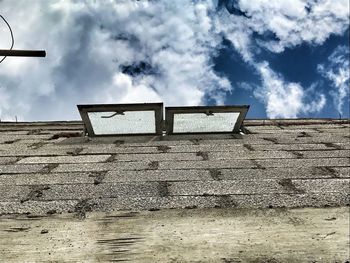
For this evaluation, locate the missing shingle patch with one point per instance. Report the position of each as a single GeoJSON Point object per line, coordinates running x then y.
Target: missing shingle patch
{"type": "Point", "coordinates": [82, 207]}
{"type": "Point", "coordinates": [327, 171]}
{"type": "Point", "coordinates": [36, 145]}
{"type": "Point", "coordinates": [332, 145]}
{"type": "Point", "coordinates": [195, 141]}
{"type": "Point", "coordinates": [75, 151]}
{"type": "Point", "coordinates": [152, 209]}
{"type": "Point", "coordinates": [318, 130]}
{"type": "Point", "coordinates": [98, 177]}
{"type": "Point", "coordinates": [215, 174]}
{"type": "Point", "coordinates": [279, 124]}
{"type": "Point", "coordinates": [34, 132]}
{"type": "Point", "coordinates": [204, 155]}
{"type": "Point", "coordinates": [153, 165]}
{"type": "Point", "coordinates": [258, 165]}
{"type": "Point", "coordinates": [274, 140]}
{"type": "Point", "coordinates": [303, 134]}
{"type": "Point", "coordinates": [190, 207]}
{"type": "Point", "coordinates": [35, 193]}
{"type": "Point", "coordinates": [289, 186]}
{"type": "Point", "coordinates": [11, 142]}
{"type": "Point", "coordinates": [163, 148]}
{"type": "Point", "coordinates": [118, 142]}
{"type": "Point", "coordinates": [249, 147]}
{"type": "Point", "coordinates": [299, 155]}
{"type": "Point", "coordinates": [110, 158]}
{"type": "Point", "coordinates": [48, 168]}
{"type": "Point", "coordinates": [12, 161]}
{"type": "Point", "coordinates": [65, 135]}
{"type": "Point", "coordinates": [225, 201]}
{"type": "Point", "coordinates": [51, 212]}
{"type": "Point", "coordinates": [162, 188]}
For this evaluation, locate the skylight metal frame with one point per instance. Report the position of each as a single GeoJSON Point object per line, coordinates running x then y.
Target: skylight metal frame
{"type": "Point", "coordinates": [171, 111]}
{"type": "Point", "coordinates": [84, 109]}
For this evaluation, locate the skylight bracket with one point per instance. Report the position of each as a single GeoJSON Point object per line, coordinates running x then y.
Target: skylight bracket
{"type": "Point", "coordinates": [114, 114]}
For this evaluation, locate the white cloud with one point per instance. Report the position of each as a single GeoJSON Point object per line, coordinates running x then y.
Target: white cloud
{"type": "Point", "coordinates": [235, 29]}
{"type": "Point", "coordinates": [131, 93]}
{"type": "Point", "coordinates": [296, 21]}
{"type": "Point", "coordinates": [4, 102]}
{"type": "Point", "coordinates": [291, 23]}
{"type": "Point", "coordinates": [88, 45]}
{"type": "Point", "coordinates": [283, 99]}
{"type": "Point", "coordinates": [337, 72]}
{"type": "Point", "coordinates": [142, 51]}
{"type": "Point", "coordinates": [246, 86]}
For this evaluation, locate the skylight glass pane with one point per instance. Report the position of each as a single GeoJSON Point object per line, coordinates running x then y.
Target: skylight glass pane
{"type": "Point", "coordinates": [130, 122]}
{"type": "Point", "coordinates": [201, 122]}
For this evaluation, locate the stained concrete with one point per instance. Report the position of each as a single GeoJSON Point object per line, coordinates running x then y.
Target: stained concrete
{"type": "Point", "coordinates": [192, 235]}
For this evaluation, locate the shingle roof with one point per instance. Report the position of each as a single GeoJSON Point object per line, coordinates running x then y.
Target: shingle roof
{"type": "Point", "coordinates": [278, 163]}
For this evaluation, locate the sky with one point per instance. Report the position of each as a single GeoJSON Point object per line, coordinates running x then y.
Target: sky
{"type": "Point", "coordinates": [285, 58]}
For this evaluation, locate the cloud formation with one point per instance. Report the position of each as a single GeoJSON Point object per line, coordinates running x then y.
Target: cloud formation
{"type": "Point", "coordinates": [109, 51]}
{"type": "Point", "coordinates": [276, 26]}
{"type": "Point", "coordinates": [284, 99]}
{"type": "Point", "coordinates": [142, 51]}
{"type": "Point", "coordinates": [337, 72]}
{"type": "Point", "coordinates": [292, 22]}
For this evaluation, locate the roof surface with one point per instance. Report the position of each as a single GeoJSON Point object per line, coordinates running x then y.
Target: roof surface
{"type": "Point", "coordinates": [51, 168]}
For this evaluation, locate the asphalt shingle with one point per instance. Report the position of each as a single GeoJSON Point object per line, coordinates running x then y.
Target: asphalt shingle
{"type": "Point", "coordinates": [292, 163]}
{"type": "Point", "coordinates": [66, 159]}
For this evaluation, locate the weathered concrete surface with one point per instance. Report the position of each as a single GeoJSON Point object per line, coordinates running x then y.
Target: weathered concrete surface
{"type": "Point", "coordinates": [196, 235]}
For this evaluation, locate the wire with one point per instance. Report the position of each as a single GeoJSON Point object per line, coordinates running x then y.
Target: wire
{"type": "Point", "coordinates": [12, 38]}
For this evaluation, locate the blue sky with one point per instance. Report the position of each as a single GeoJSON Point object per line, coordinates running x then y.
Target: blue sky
{"type": "Point", "coordinates": [286, 58]}
{"type": "Point", "coordinates": [298, 64]}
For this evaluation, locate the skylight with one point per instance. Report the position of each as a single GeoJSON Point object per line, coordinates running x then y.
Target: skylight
{"type": "Point", "coordinates": [142, 119]}
{"type": "Point", "coordinates": [199, 122]}
{"type": "Point", "coordinates": [123, 123]}
{"type": "Point", "coordinates": [211, 119]}
{"type": "Point", "coordinates": [122, 119]}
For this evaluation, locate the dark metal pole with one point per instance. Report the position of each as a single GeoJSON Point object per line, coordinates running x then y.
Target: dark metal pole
{"type": "Point", "coordinates": [22, 53]}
